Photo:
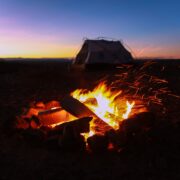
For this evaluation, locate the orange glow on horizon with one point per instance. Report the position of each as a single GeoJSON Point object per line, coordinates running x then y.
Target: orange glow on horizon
{"type": "Point", "coordinates": [41, 52]}
{"type": "Point", "coordinates": [38, 56]}
{"type": "Point", "coordinates": [26, 47]}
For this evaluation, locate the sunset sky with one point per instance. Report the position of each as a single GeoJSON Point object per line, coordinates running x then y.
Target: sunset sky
{"type": "Point", "coordinates": [56, 28]}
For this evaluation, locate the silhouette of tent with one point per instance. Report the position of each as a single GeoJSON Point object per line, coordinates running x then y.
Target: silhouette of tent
{"type": "Point", "coordinates": [102, 52]}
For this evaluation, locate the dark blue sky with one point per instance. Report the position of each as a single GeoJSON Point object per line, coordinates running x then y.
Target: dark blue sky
{"type": "Point", "coordinates": [45, 28]}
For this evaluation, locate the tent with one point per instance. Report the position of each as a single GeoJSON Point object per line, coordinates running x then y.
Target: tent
{"type": "Point", "coordinates": [102, 52]}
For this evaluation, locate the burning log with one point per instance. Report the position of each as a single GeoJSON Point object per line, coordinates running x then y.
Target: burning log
{"type": "Point", "coordinates": [98, 143]}
{"type": "Point", "coordinates": [79, 110]}
{"type": "Point", "coordinates": [68, 136]}
{"type": "Point", "coordinates": [76, 108]}
{"type": "Point", "coordinates": [79, 125]}
{"type": "Point", "coordinates": [53, 116]}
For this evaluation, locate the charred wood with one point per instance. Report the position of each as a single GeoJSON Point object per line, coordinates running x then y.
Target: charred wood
{"type": "Point", "coordinates": [76, 108]}
{"type": "Point", "coordinates": [79, 125]}
{"type": "Point", "coordinates": [140, 122]}
{"type": "Point", "coordinates": [71, 140]}
{"type": "Point", "coordinates": [98, 143]}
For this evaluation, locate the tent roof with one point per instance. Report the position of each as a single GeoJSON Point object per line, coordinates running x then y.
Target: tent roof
{"type": "Point", "coordinates": [101, 45]}
{"type": "Point", "coordinates": [102, 51]}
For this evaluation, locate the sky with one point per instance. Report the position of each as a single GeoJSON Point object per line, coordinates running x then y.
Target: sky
{"type": "Point", "coordinates": [57, 28]}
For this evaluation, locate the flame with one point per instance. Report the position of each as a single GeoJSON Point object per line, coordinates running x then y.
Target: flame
{"type": "Point", "coordinates": [106, 104]}
{"type": "Point", "coordinates": [89, 134]}
{"type": "Point", "coordinates": [129, 108]}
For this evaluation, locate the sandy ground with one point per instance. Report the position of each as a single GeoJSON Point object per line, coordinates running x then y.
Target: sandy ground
{"type": "Point", "coordinates": [25, 81]}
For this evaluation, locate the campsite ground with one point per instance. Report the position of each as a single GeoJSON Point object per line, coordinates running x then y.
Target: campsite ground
{"type": "Point", "coordinates": [25, 81]}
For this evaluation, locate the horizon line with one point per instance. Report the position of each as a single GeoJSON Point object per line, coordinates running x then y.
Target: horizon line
{"type": "Point", "coordinates": [70, 58]}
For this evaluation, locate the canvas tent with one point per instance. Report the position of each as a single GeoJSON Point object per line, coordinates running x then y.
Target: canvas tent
{"type": "Point", "coordinates": [102, 52]}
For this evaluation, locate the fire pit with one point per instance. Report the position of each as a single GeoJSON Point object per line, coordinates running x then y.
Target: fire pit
{"type": "Point", "coordinates": [84, 116]}
{"type": "Point", "coordinates": [106, 117]}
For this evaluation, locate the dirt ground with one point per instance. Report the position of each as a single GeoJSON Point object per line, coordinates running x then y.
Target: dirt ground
{"type": "Point", "coordinates": [23, 82]}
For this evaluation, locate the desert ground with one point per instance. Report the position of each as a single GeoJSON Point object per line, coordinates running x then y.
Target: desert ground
{"type": "Point", "coordinates": [25, 81]}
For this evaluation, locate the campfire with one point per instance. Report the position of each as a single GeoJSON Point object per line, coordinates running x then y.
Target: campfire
{"type": "Point", "coordinates": [106, 104]}
{"type": "Point", "coordinates": [89, 113]}
{"type": "Point", "coordinates": [108, 116]}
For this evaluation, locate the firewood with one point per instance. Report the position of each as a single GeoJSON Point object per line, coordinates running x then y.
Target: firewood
{"type": "Point", "coordinates": [139, 122]}
{"type": "Point", "coordinates": [79, 110]}
{"type": "Point", "coordinates": [80, 125]}
{"type": "Point", "coordinates": [71, 140]}
{"type": "Point", "coordinates": [53, 116]}
{"type": "Point", "coordinates": [76, 108]}
{"type": "Point", "coordinates": [132, 130]}
{"type": "Point", "coordinates": [98, 143]}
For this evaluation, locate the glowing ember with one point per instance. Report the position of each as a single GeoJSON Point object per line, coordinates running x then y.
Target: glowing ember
{"type": "Point", "coordinates": [106, 104]}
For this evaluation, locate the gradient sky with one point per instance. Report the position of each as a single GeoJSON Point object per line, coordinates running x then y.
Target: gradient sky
{"type": "Point", "coordinates": [56, 28]}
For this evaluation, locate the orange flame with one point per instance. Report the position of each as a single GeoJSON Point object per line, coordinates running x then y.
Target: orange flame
{"type": "Point", "coordinates": [106, 104]}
